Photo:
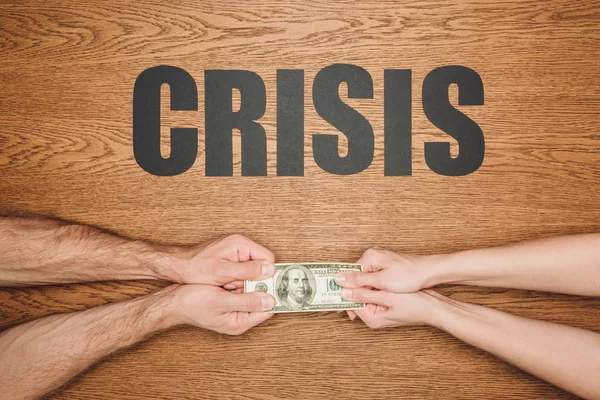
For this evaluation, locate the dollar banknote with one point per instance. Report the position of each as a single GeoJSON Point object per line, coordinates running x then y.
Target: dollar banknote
{"type": "Point", "coordinates": [305, 287]}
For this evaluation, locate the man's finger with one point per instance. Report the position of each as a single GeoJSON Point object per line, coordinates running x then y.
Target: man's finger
{"type": "Point", "coordinates": [240, 271]}
{"type": "Point", "coordinates": [258, 252]}
{"type": "Point", "coordinates": [247, 302]}
{"type": "Point", "coordinates": [365, 314]}
{"type": "Point", "coordinates": [256, 318]}
{"type": "Point", "coordinates": [247, 249]}
{"type": "Point", "coordinates": [233, 285]}
{"type": "Point", "coordinates": [368, 296]}
{"type": "Point", "coordinates": [371, 315]}
{"type": "Point", "coordinates": [372, 259]}
{"type": "Point", "coordinates": [356, 279]}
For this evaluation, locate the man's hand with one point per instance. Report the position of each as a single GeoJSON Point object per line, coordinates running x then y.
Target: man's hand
{"type": "Point", "coordinates": [214, 308]}
{"type": "Point", "coordinates": [392, 272]}
{"type": "Point", "coordinates": [41, 355]}
{"type": "Point", "coordinates": [36, 251]}
{"type": "Point", "coordinates": [224, 262]}
{"type": "Point", "coordinates": [386, 310]}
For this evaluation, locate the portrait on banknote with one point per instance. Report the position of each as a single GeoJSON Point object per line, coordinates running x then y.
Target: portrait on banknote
{"type": "Point", "coordinates": [296, 287]}
{"type": "Point", "coordinates": [303, 287]}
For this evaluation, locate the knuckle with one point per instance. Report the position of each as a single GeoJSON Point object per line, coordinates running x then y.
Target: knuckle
{"type": "Point", "coordinates": [362, 278]}
{"type": "Point", "coordinates": [216, 269]}
{"type": "Point", "coordinates": [369, 299]}
{"type": "Point", "coordinates": [357, 278]}
{"type": "Point", "coordinates": [237, 330]}
{"type": "Point", "coordinates": [213, 304]}
{"type": "Point", "coordinates": [372, 252]}
{"type": "Point", "coordinates": [236, 237]}
{"type": "Point", "coordinates": [231, 328]}
{"type": "Point", "coordinates": [380, 282]}
{"type": "Point", "coordinates": [385, 297]}
{"type": "Point", "coordinates": [373, 324]}
{"type": "Point", "coordinates": [351, 276]}
{"type": "Point", "coordinates": [253, 303]}
{"type": "Point", "coordinates": [270, 254]}
{"type": "Point", "coordinates": [359, 297]}
{"type": "Point", "coordinates": [256, 264]}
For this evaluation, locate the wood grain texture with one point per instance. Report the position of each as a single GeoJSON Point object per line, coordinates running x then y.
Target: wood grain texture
{"type": "Point", "coordinates": [67, 72]}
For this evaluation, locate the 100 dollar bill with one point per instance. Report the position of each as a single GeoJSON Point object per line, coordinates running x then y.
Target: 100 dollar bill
{"type": "Point", "coordinates": [306, 287]}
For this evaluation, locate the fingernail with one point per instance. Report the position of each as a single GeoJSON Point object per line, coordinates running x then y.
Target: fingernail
{"type": "Point", "coordinates": [267, 269]}
{"type": "Point", "coordinates": [352, 317]}
{"type": "Point", "coordinates": [346, 294]}
{"type": "Point", "coordinates": [267, 302]}
{"type": "Point", "coordinates": [340, 278]}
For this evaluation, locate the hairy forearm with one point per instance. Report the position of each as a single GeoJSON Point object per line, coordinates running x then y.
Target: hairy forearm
{"type": "Point", "coordinates": [42, 355]}
{"type": "Point", "coordinates": [567, 264]}
{"type": "Point", "coordinates": [564, 356]}
{"type": "Point", "coordinates": [35, 251]}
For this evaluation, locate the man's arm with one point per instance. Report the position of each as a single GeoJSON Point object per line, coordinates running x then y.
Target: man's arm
{"type": "Point", "coordinates": [567, 264]}
{"type": "Point", "coordinates": [42, 355]}
{"type": "Point", "coordinates": [564, 356]}
{"type": "Point", "coordinates": [36, 251]}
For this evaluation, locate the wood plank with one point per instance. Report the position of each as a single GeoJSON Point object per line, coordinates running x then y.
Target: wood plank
{"type": "Point", "coordinates": [67, 75]}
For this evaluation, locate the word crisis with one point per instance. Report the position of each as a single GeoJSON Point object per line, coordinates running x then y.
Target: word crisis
{"type": "Point", "coordinates": [220, 120]}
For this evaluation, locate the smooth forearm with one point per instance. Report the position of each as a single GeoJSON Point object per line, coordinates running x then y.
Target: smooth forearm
{"type": "Point", "coordinates": [36, 251]}
{"type": "Point", "coordinates": [44, 354]}
{"type": "Point", "coordinates": [564, 356]}
{"type": "Point", "coordinates": [568, 264]}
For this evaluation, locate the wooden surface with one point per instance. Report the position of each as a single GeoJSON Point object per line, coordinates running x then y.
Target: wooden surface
{"type": "Point", "coordinates": [67, 72]}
